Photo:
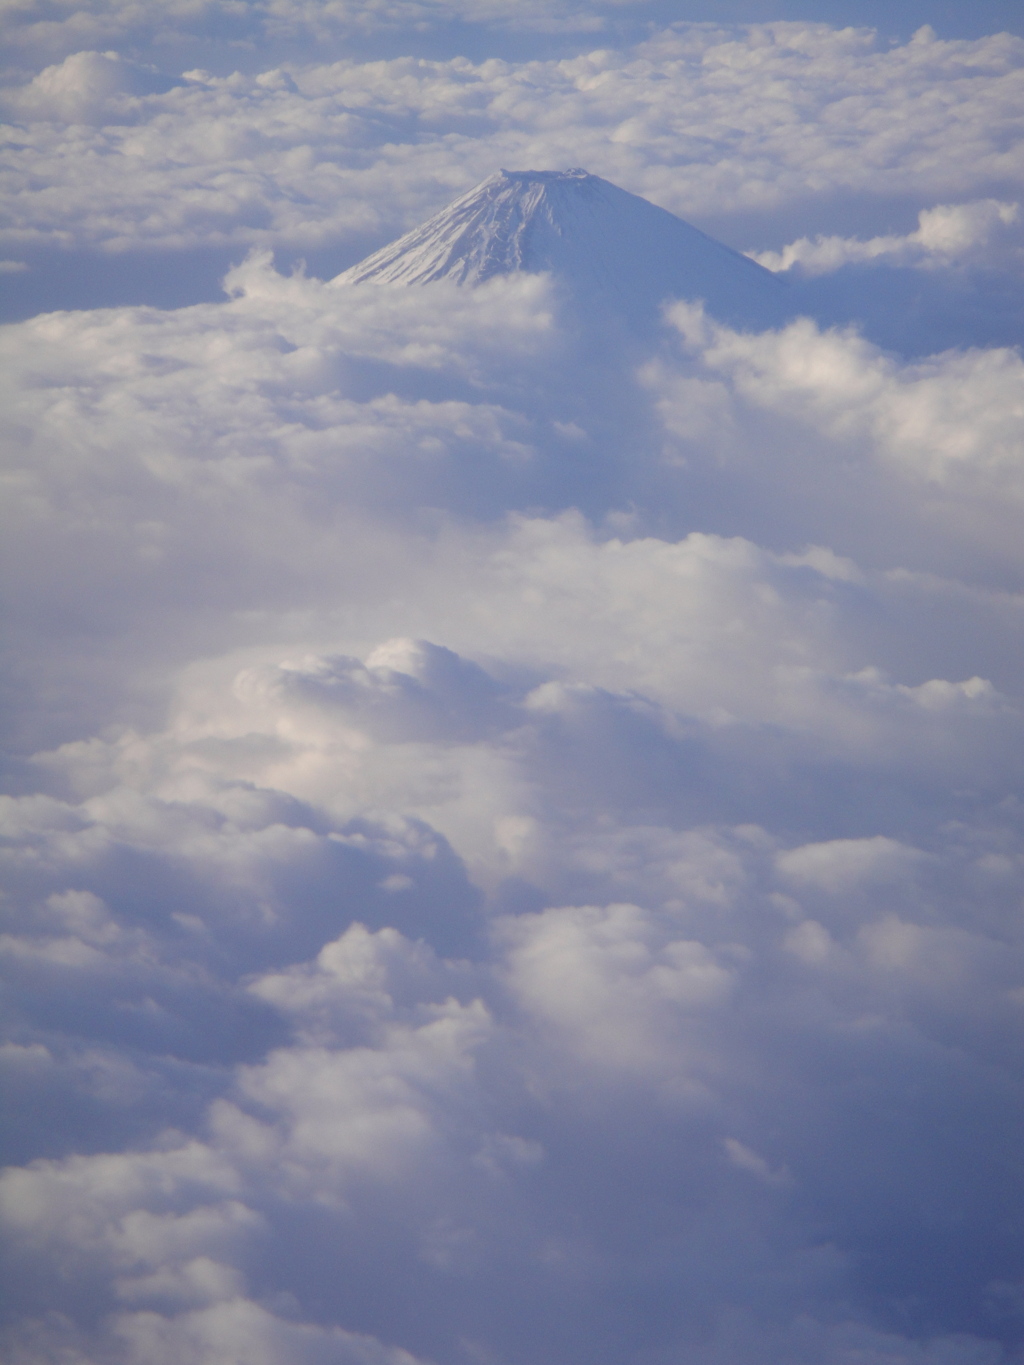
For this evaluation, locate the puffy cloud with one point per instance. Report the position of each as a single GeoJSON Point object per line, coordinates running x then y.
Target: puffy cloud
{"type": "Point", "coordinates": [88, 87]}
{"type": "Point", "coordinates": [338, 156]}
{"type": "Point", "coordinates": [238, 1330]}
{"type": "Point", "coordinates": [223, 32]}
{"type": "Point", "coordinates": [448, 1128]}
{"type": "Point", "coordinates": [944, 430]}
{"type": "Point", "coordinates": [283, 445]}
{"type": "Point", "coordinates": [517, 855]}
{"type": "Point", "coordinates": [173, 1295]}
{"type": "Point", "coordinates": [948, 232]}
{"type": "Point", "coordinates": [603, 978]}
{"type": "Point", "coordinates": [842, 862]}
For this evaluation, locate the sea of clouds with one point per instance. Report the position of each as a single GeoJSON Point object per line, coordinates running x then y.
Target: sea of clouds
{"type": "Point", "coordinates": [512, 845]}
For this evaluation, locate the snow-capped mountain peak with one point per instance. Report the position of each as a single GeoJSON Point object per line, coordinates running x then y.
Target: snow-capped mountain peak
{"type": "Point", "coordinates": [591, 235]}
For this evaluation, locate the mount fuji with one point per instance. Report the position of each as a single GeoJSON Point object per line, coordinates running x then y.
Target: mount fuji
{"type": "Point", "coordinates": [601, 243]}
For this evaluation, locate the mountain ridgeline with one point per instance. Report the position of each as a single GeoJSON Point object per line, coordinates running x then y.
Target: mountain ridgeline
{"type": "Point", "coordinates": [606, 247]}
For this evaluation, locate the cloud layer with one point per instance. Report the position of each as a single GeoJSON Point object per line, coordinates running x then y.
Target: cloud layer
{"type": "Point", "coordinates": [707, 122]}
{"type": "Point", "coordinates": [511, 837]}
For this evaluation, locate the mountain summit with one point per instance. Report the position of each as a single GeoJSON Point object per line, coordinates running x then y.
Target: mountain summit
{"type": "Point", "coordinates": [600, 241]}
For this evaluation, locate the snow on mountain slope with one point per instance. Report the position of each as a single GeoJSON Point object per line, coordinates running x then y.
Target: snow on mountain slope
{"type": "Point", "coordinates": [601, 241]}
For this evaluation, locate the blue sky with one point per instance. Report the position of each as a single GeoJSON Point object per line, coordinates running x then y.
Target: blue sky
{"type": "Point", "coordinates": [511, 818]}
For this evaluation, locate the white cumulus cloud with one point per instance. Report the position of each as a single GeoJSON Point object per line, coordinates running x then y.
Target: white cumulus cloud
{"type": "Point", "coordinates": [510, 838]}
